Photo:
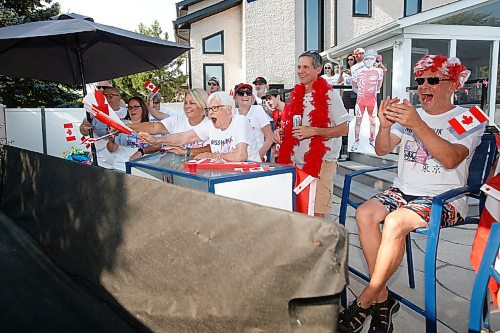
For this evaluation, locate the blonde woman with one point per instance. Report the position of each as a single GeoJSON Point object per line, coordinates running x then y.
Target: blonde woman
{"type": "Point", "coordinates": [195, 102]}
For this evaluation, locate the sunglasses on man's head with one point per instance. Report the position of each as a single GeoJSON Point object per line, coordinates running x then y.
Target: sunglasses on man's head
{"type": "Point", "coordinates": [430, 80]}
{"type": "Point", "coordinates": [244, 93]}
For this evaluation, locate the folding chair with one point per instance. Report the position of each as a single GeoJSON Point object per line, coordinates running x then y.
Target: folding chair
{"type": "Point", "coordinates": [478, 172]}
{"type": "Point", "coordinates": [486, 270]}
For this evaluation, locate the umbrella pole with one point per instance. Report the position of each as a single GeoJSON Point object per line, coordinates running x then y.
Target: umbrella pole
{"type": "Point", "coordinates": [89, 118]}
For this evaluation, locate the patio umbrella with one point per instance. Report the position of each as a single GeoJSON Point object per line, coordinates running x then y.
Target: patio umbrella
{"type": "Point", "coordinates": [74, 50]}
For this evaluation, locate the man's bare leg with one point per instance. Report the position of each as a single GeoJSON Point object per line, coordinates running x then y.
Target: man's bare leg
{"type": "Point", "coordinates": [396, 226]}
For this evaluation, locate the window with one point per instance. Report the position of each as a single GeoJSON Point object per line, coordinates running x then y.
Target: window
{"type": "Point", "coordinates": [362, 8]}
{"type": "Point", "coordinates": [214, 44]}
{"type": "Point", "coordinates": [213, 70]}
{"type": "Point", "coordinates": [412, 7]}
{"type": "Point", "coordinates": [314, 23]}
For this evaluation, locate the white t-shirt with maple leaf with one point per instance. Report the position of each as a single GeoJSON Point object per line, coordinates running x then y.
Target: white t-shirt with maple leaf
{"type": "Point", "coordinates": [420, 174]}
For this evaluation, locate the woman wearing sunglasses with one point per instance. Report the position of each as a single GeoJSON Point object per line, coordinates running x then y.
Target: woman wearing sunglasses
{"type": "Point", "coordinates": [256, 116]}
{"type": "Point", "coordinates": [348, 96]}
{"type": "Point", "coordinates": [230, 136]}
{"type": "Point", "coordinates": [127, 147]}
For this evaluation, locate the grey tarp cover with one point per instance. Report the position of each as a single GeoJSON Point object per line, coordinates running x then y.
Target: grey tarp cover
{"type": "Point", "coordinates": [175, 259]}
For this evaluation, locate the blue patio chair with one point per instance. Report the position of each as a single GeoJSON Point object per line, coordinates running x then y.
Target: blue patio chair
{"type": "Point", "coordinates": [478, 172]}
{"type": "Point", "coordinates": [486, 270]}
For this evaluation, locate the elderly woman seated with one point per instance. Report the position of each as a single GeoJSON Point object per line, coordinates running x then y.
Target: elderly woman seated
{"type": "Point", "coordinates": [230, 135]}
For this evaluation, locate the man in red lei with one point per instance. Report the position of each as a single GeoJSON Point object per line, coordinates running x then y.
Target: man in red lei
{"type": "Point", "coordinates": [315, 146]}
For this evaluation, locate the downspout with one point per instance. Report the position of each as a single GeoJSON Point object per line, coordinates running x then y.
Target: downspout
{"type": "Point", "coordinates": [189, 56]}
{"type": "Point", "coordinates": [335, 17]}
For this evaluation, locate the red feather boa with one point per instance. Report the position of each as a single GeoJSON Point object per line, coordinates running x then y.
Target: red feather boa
{"type": "Point", "coordinates": [318, 117]}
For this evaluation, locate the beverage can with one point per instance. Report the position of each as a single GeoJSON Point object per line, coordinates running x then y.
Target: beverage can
{"type": "Point", "coordinates": [297, 120]}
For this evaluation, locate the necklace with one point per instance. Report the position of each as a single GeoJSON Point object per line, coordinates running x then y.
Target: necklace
{"type": "Point", "coordinates": [318, 117]}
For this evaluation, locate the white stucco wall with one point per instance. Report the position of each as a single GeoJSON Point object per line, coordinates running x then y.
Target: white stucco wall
{"type": "Point", "coordinates": [383, 12]}
{"type": "Point", "coordinates": [269, 42]}
{"type": "Point", "coordinates": [230, 22]}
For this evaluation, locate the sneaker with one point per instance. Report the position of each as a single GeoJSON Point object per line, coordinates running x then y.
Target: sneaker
{"type": "Point", "coordinates": [382, 315]}
{"type": "Point", "coordinates": [351, 319]}
{"type": "Point", "coordinates": [355, 146]}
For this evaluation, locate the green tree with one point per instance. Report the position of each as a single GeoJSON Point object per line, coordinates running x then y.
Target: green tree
{"type": "Point", "coordinates": [24, 92]}
{"type": "Point", "coordinates": [170, 79]}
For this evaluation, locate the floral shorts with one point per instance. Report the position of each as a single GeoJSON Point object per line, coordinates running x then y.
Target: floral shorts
{"type": "Point", "coordinates": [393, 198]}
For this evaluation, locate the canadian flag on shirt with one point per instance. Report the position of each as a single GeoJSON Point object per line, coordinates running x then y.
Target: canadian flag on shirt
{"type": "Point", "coordinates": [151, 87]}
{"type": "Point", "coordinates": [68, 129]}
{"type": "Point", "coordinates": [305, 192]}
{"type": "Point", "coordinates": [468, 120]}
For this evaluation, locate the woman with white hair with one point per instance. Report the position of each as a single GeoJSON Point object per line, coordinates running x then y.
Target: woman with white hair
{"type": "Point", "coordinates": [230, 136]}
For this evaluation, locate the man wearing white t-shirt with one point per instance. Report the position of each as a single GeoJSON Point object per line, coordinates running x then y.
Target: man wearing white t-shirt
{"type": "Point", "coordinates": [230, 135]}
{"type": "Point", "coordinates": [433, 159]}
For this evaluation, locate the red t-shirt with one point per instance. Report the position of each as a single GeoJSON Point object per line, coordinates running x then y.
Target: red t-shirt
{"type": "Point", "coordinates": [280, 115]}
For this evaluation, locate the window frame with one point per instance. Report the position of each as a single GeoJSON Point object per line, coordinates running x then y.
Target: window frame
{"type": "Point", "coordinates": [320, 22]}
{"type": "Point", "coordinates": [221, 79]}
{"type": "Point", "coordinates": [204, 39]}
{"type": "Point", "coordinates": [419, 8]}
{"type": "Point", "coordinates": [369, 5]}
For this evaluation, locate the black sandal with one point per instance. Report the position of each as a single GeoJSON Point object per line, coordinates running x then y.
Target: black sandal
{"type": "Point", "coordinates": [382, 315]}
{"type": "Point", "coordinates": [351, 319]}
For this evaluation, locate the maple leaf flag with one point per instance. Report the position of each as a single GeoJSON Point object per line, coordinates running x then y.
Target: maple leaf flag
{"type": "Point", "coordinates": [68, 129]}
{"type": "Point", "coordinates": [96, 104]}
{"type": "Point", "coordinates": [151, 87]}
{"type": "Point", "coordinates": [468, 120]}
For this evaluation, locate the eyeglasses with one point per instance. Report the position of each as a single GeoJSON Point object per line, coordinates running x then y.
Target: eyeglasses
{"type": "Point", "coordinates": [212, 84]}
{"type": "Point", "coordinates": [244, 93]}
{"type": "Point", "coordinates": [133, 107]}
{"type": "Point", "coordinates": [350, 59]}
{"type": "Point", "coordinates": [156, 103]}
{"type": "Point", "coordinates": [430, 80]}
{"type": "Point", "coordinates": [328, 67]}
{"type": "Point", "coordinates": [111, 95]}
{"type": "Point", "coordinates": [213, 109]}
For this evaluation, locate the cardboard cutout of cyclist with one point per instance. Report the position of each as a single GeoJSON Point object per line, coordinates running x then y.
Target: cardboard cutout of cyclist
{"type": "Point", "coordinates": [366, 83]}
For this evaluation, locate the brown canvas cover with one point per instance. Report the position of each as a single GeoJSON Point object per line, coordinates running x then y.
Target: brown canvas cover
{"type": "Point", "coordinates": [175, 259]}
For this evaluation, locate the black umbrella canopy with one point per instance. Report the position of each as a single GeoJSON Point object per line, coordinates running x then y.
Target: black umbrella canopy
{"type": "Point", "coordinates": [72, 49]}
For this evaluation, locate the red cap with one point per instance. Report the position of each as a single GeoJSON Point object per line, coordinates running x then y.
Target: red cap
{"type": "Point", "coordinates": [242, 86]}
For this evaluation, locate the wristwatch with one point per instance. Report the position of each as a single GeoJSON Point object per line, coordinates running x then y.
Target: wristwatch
{"type": "Point", "coordinates": [141, 150]}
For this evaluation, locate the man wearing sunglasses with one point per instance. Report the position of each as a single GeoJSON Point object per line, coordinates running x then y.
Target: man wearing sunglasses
{"type": "Point", "coordinates": [105, 159]}
{"type": "Point", "coordinates": [213, 85]}
{"type": "Point", "coordinates": [432, 160]}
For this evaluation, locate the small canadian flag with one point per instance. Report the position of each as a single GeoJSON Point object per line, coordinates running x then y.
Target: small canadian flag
{"type": "Point", "coordinates": [151, 87]}
{"type": "Point", "coordinates": [68, 128]}
{"type": "Point", "coordinates": [468, 120]}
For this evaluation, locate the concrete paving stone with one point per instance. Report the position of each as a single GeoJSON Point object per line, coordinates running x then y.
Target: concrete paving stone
{"type": "Point", "coordinates": [449, 253]}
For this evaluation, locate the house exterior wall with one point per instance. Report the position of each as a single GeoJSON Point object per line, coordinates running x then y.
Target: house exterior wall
{"type": "Point", "coordinates": [383, 12]}
{"type": "Point", "coordinates": [230, 22]}
{"type": "Point", "coordinates": [270, 46]}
